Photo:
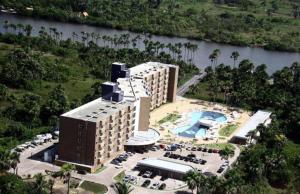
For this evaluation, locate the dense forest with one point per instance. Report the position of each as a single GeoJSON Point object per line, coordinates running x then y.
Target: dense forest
{"type": "Point", "coordinates": [272, 165]}
{"type": "Point", "coordinates": [272, 24]}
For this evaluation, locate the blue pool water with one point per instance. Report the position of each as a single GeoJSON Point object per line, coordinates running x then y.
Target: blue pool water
{"type": "Point", "coordinates": [193, 129]}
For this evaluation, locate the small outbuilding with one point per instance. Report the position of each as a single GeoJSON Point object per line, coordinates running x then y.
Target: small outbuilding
{"type": "Point", "coordinates": [243, 135]}
{"type": "Point", "coordinates": [165, 168]}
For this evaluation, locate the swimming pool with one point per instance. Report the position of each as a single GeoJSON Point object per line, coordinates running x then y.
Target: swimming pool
{"type": "Point", "coordinates": [193, 129]}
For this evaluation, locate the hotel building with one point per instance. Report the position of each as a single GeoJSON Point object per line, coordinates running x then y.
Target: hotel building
{"type": "Point", "coordinates": [97, 131]}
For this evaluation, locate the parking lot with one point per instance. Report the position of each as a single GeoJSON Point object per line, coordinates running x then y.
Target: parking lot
{"type": "Point", "coordinates": [210, 167]}
{"type": "Point", "coordinates": [31, 162]}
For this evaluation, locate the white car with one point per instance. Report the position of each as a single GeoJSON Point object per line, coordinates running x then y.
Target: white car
{"type": "Point", "coordinates": [154, 186]}
{"type": "Point", "coordinates": [147, 174]}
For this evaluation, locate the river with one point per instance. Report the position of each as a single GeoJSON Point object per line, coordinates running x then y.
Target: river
{"type": "Point", "coordinates": [275, 60]}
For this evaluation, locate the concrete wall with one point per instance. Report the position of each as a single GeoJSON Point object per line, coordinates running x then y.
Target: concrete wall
{"type": "Point", "coordinates": [77, 140]}
{"type": "Point", "coordinates": [144, 113]}
{"type": "Point", "coordinates": [172, 84]}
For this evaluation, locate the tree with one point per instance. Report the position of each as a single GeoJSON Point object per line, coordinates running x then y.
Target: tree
{"type": "Point", "coordinates": [191, 178]}
{"type": "Point", "coordinates": [56, 104]}
{"type": "Point", "coordinates": [14, 160]}
{"type": "Point", "coordinates": [51, 184]}
{"type": "Point", "coordinates": [3, 92]}
{"type": "Point", "coordinates": [226, 152]}
{"type": "Point", "coordinates": [234, 55]}
{"type": "Point", "coordinates": [123, 188]}
{"type": "Point", "coordinates": [66, 170]}
{"type": "Point", "coordinates": [32, 106]}
{"type": "Point", "coordinates": [40, 185]}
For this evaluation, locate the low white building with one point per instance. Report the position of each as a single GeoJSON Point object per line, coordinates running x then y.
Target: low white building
{"type": "Point", "coordinates": [260, 117]}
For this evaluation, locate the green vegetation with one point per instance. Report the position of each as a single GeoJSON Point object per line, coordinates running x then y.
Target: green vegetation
{"type": "Point", "coordinates": [271, 24]}
{"type": "Point", "coordinates": [228, 130]}
{"type": "Point", "coordinates": [123, 188]}
{"type": "Point", "coordinates": [120, 176]}
{"type": "Point", "coordinates": [93, 187]}
{"type": "Point", "coordinates": [170, 118]}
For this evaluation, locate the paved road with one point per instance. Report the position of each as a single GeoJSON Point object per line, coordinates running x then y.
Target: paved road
{"type": "Point", "coordinates": [193, 81]}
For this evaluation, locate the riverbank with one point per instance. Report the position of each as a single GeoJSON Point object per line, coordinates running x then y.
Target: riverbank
{"type": "Point", "coordinates": [200, 21]}
{"type": "Point", "coordinates": [275, 60]}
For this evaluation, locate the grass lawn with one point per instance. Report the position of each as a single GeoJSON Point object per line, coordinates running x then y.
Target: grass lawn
{"type": "Point", "coordinates": [171, 118]}
{"type": "Point", "coordinates": [227, 130]}
{"type": "Point", "coordinates": [94, 187]}
{"type": "Point", "coordinates": [120, 176]}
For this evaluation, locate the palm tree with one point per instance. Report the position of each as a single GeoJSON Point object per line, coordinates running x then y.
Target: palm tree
{"type": "Point", "coordinates": [234, 55]}
{"type": "Point", "coordinates": [191, 178]}
{"type": "Point", "coordinates": [66, 170]}
{"type": "Point", "coordinates": [14, 160]}
{"type": "Point", "coordinates": [40, 185]}
{"type": "Point", "coordinates": [123, 188]}
{"type": "Point", "coordinates": [51, 184]}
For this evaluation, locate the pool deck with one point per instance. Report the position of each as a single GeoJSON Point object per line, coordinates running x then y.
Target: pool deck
{"type": "Point", "coordinates": [185, 105]}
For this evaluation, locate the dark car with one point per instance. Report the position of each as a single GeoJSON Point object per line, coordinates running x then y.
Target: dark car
{"type": "Point", "coordinates": [167, 154]}
{"type": "Point", "coordinates": [194, 148]}
{"type": "Point", "coordinates": [203, 162]}
{"type": "Point", "coordinates": [191, 155]}
{"type": "Point", "coordinates": [199, 149]}
{"type": "Point", "coordinates": [176, 156]}
{"type": "Point", "coordinates": [204, 150]}
{"type": "Point", "coordinates": [221, 169]}
{"type": "Point", "coordinates": [146, 183]}
{"type": "Point", "coordinates": [181, 157]}
{"type": "Point", "coordinates": [141, 172]}
{"type": "Point", "coordinates": [210, 150]}
{"type": "Point", "coordinates": [162, 186]}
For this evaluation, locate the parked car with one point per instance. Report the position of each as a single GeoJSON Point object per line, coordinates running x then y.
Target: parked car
{"type": "Point", "coordinates": [167, 154]}
{"type": "Point", "coordinates": [210, 150]}
{"type": "Point", "coordinates": [194, 148]}
{"type": "Point", "coordinates": [162, 186]}
{"type": "Point", "coordinates": [155, 185]}
{"type": "Point", "coordinates": [191, 155]}
{"type": "Point", "coordinates": [203, 162]}
{"type": "Point", "coordinates": [133, 180]}
{"type": "Point", "coordinates": [181, 157]}
{"type": "Point", "coordinates": [146, 183]}
{"type": "Point", "coordinates": [141, 173]}
{"type": "Point", "coordinates": [126, 179]}
{"type": "Point", "coordinates": [147, 174]}
{"type": "Point", "coordinates": [162, 146]}
{"type": "Point", "coordinates": [153, 149]}
{"type": "Point", "coordinates": [199, 149]}
{"type": "Point", "coordinates": [215, 151]}
{"type": "Point", "coordinates": [221, 169]}
{"type": "Point", "coordinates": [188, 148]}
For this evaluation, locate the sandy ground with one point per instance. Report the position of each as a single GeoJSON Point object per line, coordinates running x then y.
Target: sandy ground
{"type": "Point", "coordinates": [185, 105]}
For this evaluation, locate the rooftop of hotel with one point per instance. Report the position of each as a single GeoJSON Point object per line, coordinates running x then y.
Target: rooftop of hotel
{"type": "Point", "coordinates": [133, 88]}
{"type": "Point", "coordinates": [96, 110]}
{"type": "Point", "coordinates": [148, 68]}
